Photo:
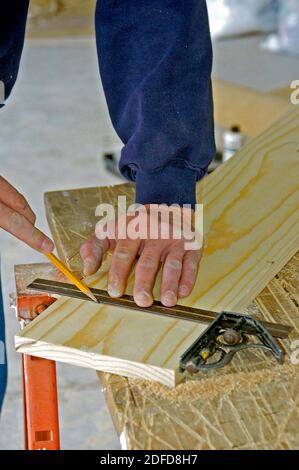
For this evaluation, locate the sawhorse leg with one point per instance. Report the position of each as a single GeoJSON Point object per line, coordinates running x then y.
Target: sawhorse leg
{"type": "Point", "coordinates": [41, 428]}
{"type": "Point", "coordinates": [40, 403]}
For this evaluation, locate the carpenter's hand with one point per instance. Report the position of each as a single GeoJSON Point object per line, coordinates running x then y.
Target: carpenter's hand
{"type": "Point", "coordinates": [17, 217]}
{"type": "Point", "coordinates": [179, 264]}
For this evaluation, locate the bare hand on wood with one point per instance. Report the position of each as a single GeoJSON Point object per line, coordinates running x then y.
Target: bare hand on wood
{"type": "Point", "coordinates": [180, 265]}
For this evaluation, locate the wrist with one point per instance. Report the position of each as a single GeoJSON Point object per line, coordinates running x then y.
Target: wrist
{"type": "Point", "coordinates": [174, 184]}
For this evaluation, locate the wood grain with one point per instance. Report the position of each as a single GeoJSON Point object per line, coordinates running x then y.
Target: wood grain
{"type": "Point", "coordinates": [251, 209]}
{"type": "Point", "coordinates": [251, 230]}
{"type": "Point", "coordinates": [110, 339]}
{"type": "Point", "coordinates": [248, 406]}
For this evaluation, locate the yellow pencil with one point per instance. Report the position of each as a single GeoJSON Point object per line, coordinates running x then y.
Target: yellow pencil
{"type": "Point", "coordinates": [74, 279]}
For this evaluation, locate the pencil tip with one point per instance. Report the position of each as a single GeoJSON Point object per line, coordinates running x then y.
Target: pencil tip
{"type": "Point", "coordinates": [92, 296]}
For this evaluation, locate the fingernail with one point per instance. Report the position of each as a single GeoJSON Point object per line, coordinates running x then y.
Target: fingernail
{"type": "Point", "coordinates": [47, 245]}
{"type": "Point", "coordinates": [170, 298]}
{"type": "Point", "coordinates": [114, 290]}
{"type": "Point", "coordinates": [143, 297]}
{"type": "Point", "coordinates": [183, 290]}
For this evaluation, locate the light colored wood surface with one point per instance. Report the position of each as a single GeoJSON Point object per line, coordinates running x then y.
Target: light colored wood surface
{"type": "Point", "coordinates": [251, 223]}
{"type": "Point", "coordinates": [251, 405]}
{"type": "Point", "coordinates": [60, 18]}
{"type": "Point", "coordinates": [106, 338]}
{"type": "Point", "coordinates": [251, 109]}
{"type": "Point", "coordinates": [252, 229]}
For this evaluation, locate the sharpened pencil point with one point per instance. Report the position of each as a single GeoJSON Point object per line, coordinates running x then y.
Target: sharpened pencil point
{"type": "Point", "coordinates": [71, 276]}
{"type": "Point", "coordinates": [91, 296]}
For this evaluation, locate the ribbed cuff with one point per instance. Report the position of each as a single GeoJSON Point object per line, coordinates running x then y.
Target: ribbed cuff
{"type": "Point", "coordinates": [174, 184]}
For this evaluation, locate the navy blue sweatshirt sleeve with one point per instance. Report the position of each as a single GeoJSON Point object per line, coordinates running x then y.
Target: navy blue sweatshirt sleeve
{"type": "Point", "coordinates": [155, 59]}
{"type": "Point", "coordinates": [13, 15]}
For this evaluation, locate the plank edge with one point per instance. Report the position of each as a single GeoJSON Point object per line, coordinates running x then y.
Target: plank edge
{"type": "Point", "coordinates": [91, 360]}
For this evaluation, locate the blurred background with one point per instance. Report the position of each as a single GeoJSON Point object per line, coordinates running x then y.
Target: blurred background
{"type": "Point", "coordinates": [55, 133]}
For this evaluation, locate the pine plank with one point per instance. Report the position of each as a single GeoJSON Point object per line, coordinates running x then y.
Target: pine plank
{"type": "Point", "coordinates": [251, 230]}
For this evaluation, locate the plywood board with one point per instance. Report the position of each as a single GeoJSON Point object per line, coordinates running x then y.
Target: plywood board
{"type": "Point", "coordinates": [251, 227]}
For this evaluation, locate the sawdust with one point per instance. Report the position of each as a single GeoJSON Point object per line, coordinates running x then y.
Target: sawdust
{"type": "Point", "coordinates": [213, 386]}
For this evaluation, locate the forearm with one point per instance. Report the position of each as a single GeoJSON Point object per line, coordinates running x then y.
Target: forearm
{"type": "Point", "coordinates": [155, 62]}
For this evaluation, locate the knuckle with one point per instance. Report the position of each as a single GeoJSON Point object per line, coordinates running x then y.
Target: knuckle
{"type": "Point", "coordinates": [173, 264]}
{"type": "Point", "coordinates": [122, 254]}
{"type": "Point", "coordinates": [147, 261]}
{"type": "Point", "coordinates": [15, 222]}
{"type": "Point", "coordinates": [193, 265]}
{"type": "Point", "coordinates": [20, 202]}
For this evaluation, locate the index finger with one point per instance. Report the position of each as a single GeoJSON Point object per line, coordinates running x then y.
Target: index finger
{"type": "Point", "coordinates": [15, 200]}
{"type": "Point", "coordinates": [17, 224]}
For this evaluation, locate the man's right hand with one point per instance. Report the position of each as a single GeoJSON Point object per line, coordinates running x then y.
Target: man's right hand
{"type": "Point", "coordinates": [17, 218]}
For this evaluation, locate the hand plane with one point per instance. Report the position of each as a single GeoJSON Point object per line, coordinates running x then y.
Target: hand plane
{"type": "Point", "coordinates": [226, 334]}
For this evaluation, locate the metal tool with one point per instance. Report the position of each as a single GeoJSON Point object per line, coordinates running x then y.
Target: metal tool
{"type": "Point", "coordinates": [181, 312]}
{"type": "Point", "coordinates": [228, 334]}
